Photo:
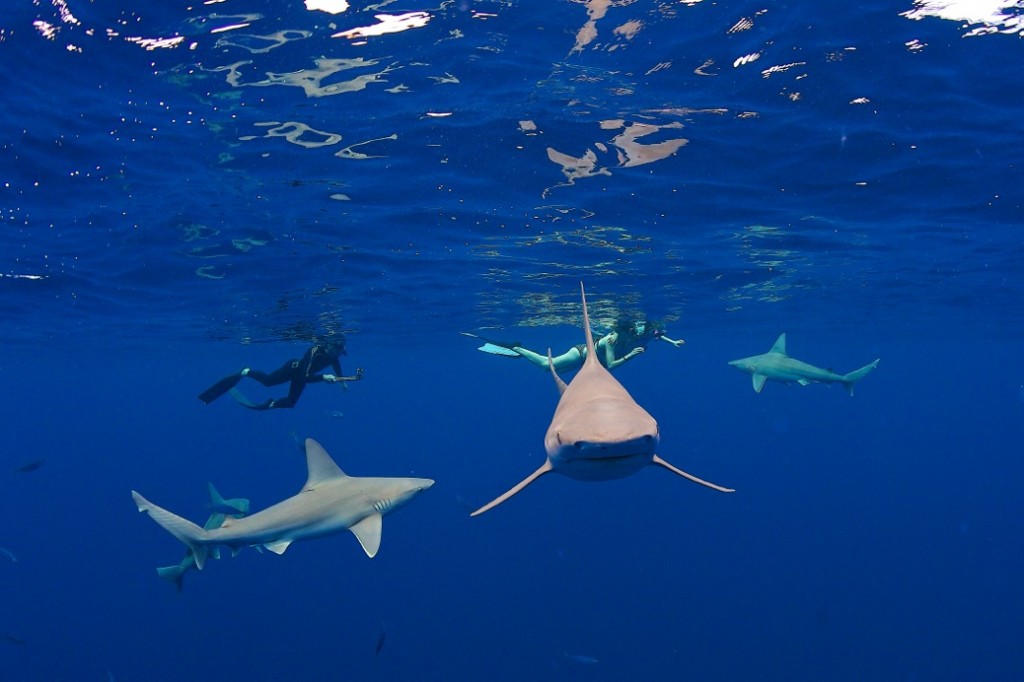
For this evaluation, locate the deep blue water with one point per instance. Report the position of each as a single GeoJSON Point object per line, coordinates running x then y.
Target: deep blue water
{"type": "Point", "coordinates": [173, 214]}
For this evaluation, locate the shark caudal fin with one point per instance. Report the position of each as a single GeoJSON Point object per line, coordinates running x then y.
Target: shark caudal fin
{"type": "Point", "coordinates": [660, 462]}
{"type": "Point", "coordinates": [183, 529]}
{"type": "Point", "coordinates": [856, 375]}
{"type": "Point", "coordinates": [175, 574]}
{"type": "Point", "coordinates": [545, 468]}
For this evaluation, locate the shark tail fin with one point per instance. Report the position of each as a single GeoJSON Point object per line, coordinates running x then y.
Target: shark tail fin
{"type": "Point", "coordinates": [660, 462]}
{"type": "Point", "coordinates": [856, 375]}
{"type": "Point", "coordinates": [172, 574]}
{"type": "Point", "coordinates": [183, 529]}
{"type": "Point", "coordinates": [544, 468]}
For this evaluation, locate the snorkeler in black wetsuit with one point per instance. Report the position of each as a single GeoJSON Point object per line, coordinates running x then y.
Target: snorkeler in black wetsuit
{"type": "Point", "coordinates": [299, 372]}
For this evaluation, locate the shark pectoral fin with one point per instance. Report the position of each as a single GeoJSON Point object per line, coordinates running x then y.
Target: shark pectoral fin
{"type": "Point", "coordinates": [278, 546]}
{"type": "Point", "coordinates": [368, 532]}
{"type": "Point", "coordinates": [558, 379]}
{"type": "Point", "coordinates": [660, 462]}
{"type": "Point", "coordinates": [759, 380]}
{"type": "Point", "coordinates": [544, 468]}
{"type": "Point", "coordinates": [803, 382]}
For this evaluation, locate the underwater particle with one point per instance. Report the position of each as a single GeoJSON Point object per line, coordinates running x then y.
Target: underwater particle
{"type": "Point", "coordinates": [8, 554]}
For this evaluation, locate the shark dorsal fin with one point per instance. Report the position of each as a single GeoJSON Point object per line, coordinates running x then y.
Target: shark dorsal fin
{"type": "Point", "coordinates": [591, 353]}
{"type": "Point", "coordinates": [367, 532]}
{"type": "Point", "coordinates": [215, 497]}
{"type": "Point", "coordinates": [780, 345]}
{"type": "Point", "coordinates": [321, 466]}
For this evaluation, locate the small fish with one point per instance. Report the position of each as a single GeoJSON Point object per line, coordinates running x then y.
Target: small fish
{"type": "Point", "coordinates": [7, 554]}
{"type": "Point", "coordinates": [582, 659]}
{"type": "Point", "coordinates": [31, 466]}
{"type": "Point", "coordinates": [12, 639]}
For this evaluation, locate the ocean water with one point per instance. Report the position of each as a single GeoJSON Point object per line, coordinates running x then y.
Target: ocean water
{"type": "Point", "coordinates": [189, 189]}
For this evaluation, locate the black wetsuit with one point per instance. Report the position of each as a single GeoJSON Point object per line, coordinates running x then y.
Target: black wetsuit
{"type": "Point", "coordinates": [299, 372]}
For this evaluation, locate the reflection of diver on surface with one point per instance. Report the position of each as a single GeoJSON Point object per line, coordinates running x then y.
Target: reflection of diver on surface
{"type": "Point", "coordinates": [298, 372]}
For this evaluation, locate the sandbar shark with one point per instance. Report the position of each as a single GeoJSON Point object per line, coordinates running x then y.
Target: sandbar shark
{"type": "Point", "coordinates": [330, 502]}
{"type": "Point", "coordinates": [598, 432]}
{"type": "Point", "coordinates": [775, 364]}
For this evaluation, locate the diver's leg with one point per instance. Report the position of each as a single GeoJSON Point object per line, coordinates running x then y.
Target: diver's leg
{"type": "Point", "coordinates": [282, 374]}
{"type": "Point", "coordinates": [569, 358]}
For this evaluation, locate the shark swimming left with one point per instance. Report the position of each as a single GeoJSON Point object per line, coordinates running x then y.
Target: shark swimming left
{"type": "Point", "coordinates": [330, 502]}
{"type": "Point", "coordinates": [598, 432]}
{"type": "Point", "coordinates": [778, 366]}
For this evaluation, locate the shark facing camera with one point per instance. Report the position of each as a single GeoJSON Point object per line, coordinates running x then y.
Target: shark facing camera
{"type": "Point", "coordinates": [598, 432]}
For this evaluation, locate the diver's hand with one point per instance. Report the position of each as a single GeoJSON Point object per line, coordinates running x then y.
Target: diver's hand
{"type": "Point", "coordinates": [330, 378]}
{"type": "Point", "coordinates": [633, 353]}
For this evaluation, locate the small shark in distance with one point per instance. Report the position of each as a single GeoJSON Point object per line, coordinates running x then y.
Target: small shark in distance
{"type": "Point", "coordinates": [330, 502]}
{"type": "Point", "coordinates": [598, 432]}
{"type": "Point", "coordinates": [775, 364]}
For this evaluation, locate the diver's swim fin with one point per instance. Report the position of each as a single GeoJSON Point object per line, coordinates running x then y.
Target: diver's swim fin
{"type": "Point", "coordinates": [503, 348]}
{"type": "Point", "coordinates": [246, 402]}
{"type": "Point", "coordinates": [219, 388]}
{"type": "Point", "coordinates": [495, 349]}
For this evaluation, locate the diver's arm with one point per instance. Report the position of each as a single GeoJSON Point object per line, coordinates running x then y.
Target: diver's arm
{"type": "Point", "coordinates": [675, 343]}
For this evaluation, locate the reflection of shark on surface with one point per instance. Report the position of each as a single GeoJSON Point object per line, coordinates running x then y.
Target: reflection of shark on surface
{"type": "Point", "coordinates": [775, 364]}
{"type": "Point", "coordinates": [329, 503]}
{"type": "Point", "coordinates": [222, 509]}
{"type": "Point", "coordinates": [598, 431]}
